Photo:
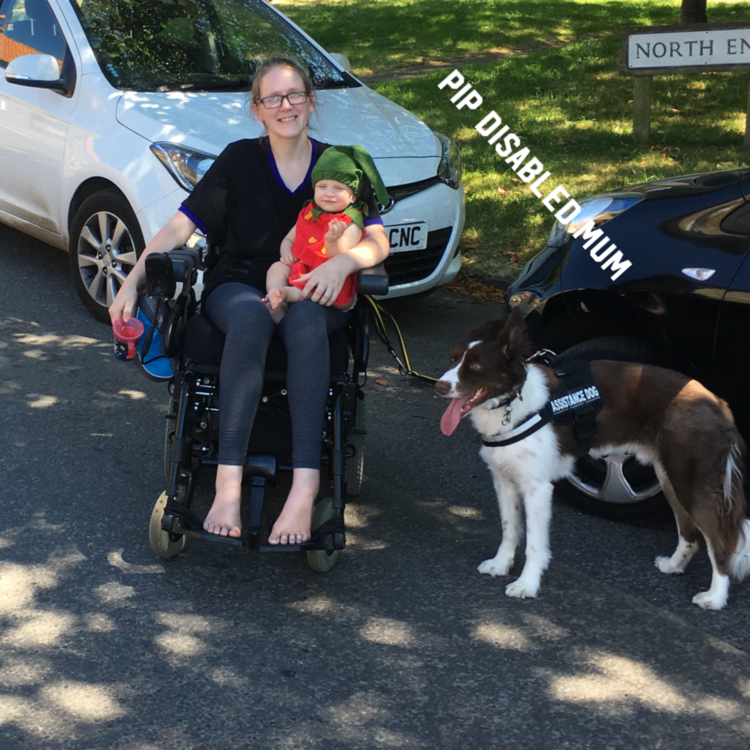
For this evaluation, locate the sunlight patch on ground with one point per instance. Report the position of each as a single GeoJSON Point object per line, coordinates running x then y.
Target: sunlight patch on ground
{"type": "Point", "coordinates": [115, 559]}
{"type": "Point", "coordinates": [369, 545]}
{"type": "Point", "coordinates": [65, 342]}
{"type": "Point", "coordinates": [181, 640]}
{"type": "Point", "coordinates": [504, 636]}
{"type": "Point", "coordinates": [228, 678]}
{"type": "Point", "coordinates": [624, 686]}
{"type": "Point", "coordinates": [463, 512]}
{"type": "Point", "coordinates": [99, 623]}
{"type": "Point", "coordinates": [41, 402]}
{"type": "Point", "coordinates": [39, 630]}
{"type": "Point", "coordinates": [16, 672]}
{"type": "Point", "coordinates": [324, 606]}
{"type": "Point", "coordinates": [315, 605]}
{"type": "Point", "coordinates": [359, 516]}
{"type": "Point", "coordinates": [88, 703]}
{"type": "Point", "coordinates": [532, 635]}
{"type": "Point", "coordinates": [18, 585]}
{"type": "Point", "coordinates": [113, 593]}
{"type": "Point", "coordinates": [135, 395]}
{"type": "Point", "coordinates": [387, 631]}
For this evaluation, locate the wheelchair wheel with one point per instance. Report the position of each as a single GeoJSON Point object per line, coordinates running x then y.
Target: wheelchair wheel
{"type": "Point", "coordinates": [164, 544]}
{"type": "Point", "coordinates": [320, 560]}
{"type": "Point", "coordinates": [355, 466]}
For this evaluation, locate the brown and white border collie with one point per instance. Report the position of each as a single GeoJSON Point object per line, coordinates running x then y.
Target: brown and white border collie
{"type": "Point", "coordinates": [662, 417]}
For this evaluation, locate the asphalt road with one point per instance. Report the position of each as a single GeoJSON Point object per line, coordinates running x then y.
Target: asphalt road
{"type": "Point", "coordinates": [402, 645]}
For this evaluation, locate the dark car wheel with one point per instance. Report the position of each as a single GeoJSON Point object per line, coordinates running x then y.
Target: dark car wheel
{"type": "Point", "coordinates": [614, 486]}
{"type": "Point", "coordinates": [105, 241]}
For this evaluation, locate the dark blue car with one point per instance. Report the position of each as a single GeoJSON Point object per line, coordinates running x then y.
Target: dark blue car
{"type": "Point", "coordinates": [656, 273]}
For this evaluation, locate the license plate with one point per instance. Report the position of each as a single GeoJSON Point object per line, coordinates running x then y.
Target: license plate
{"type": "Point", "coordinates": [407, 236]}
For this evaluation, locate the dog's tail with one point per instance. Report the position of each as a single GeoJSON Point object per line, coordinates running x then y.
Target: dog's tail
{"type": "Point", "coordinates": [734, 509]}
{"type": "Point", "coordinates": [739, 565]}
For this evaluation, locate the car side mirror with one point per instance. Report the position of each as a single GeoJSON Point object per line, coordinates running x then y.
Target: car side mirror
{"type": "Point", "coordinates": [37, 71]}
{"type": "Point", "coordinates": [341, 60]}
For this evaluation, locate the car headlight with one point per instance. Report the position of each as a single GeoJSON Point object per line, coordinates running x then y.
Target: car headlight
{"type": "Point", "coordinates": [449, 169]}
{"type": "Point", "coordinates": [186, 165]}
{"type": "Point", "coordinates": [598, 209]}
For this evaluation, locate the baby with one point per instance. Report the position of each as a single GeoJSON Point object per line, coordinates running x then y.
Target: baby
{"type": "Point", "coordinates": [330, 224]}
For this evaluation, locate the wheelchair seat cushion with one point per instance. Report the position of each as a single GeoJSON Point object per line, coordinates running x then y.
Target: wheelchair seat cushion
{"type": "Point", "coordinates": [203, 343]}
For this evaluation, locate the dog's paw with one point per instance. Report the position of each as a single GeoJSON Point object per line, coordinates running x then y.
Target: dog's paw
{"type": "Point", "coordinates": [521, 590]}
{"type": "Point", "coordinates": [708, 600]}
{"type": "Point", "coordinates": [665, 565]}
{"type": "Point", "coordinates": [495, 567]}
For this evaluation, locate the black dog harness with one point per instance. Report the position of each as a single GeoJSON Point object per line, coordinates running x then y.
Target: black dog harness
{"type": "Point", "coordinates": [577, 399]}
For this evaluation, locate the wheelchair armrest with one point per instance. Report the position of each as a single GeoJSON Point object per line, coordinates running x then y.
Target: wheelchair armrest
{"type": "Point", "coordinates": [373, 280]}
{"type": "Point", "coordinates": [164, 271]}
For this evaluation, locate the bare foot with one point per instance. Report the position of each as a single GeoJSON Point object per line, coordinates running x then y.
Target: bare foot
{"type": "Point", "coordinates": [293, 524]}
{"type": "Point", "coordinates": [224, 516]}
{"type": "Point", "coordinates": [276, 303]}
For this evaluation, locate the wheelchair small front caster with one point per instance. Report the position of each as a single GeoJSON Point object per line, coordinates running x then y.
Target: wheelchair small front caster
{"type": "Point", "coordinates": [320, 560]}
{"type": "Point", "coordinates": [163, 544]}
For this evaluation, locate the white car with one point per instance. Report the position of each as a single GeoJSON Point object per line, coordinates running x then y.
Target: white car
{"type": "Point", "coordinates": [110, 112]}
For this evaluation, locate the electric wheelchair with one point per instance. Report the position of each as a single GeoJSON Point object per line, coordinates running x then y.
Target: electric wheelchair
{"type": "Point", "coordinates": [190, 346]}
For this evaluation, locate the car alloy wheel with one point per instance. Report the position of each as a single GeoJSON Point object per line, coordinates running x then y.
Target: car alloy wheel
{"type": "Point", "coordinates": [105, 243]}
{"type": "Point", "coordinates": [614, 486]}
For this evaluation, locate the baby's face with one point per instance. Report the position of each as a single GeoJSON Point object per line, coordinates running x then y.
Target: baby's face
{"type": "Point", "coordinates": [333, 196]}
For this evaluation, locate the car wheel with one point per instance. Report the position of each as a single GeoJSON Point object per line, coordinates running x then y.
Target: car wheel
{"type": "Point", "coordinates": [105, 242]}
{"type": "Point", "coordinates": [614, 486]}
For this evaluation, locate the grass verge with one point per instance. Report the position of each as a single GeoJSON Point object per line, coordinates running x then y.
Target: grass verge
{"type": "Point", "coordinates": [379, 35]}
{"type": "Point", "coordinates": [574, 112]}
{"type": "Point", "coordinates": [568, 105]}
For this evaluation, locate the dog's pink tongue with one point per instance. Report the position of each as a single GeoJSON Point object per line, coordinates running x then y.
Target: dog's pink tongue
{"type": "Point", "coordinates": [452, 416]}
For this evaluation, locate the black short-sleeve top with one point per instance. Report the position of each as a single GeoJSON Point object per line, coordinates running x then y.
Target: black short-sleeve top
{"type": "Point", "coordinates": [243, 205]}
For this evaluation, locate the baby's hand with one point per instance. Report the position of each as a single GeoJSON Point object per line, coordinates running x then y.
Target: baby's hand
{"type": "Point", "coordinates": [287, 258]}
{"type": "Point", "coordinates": [335, 230]}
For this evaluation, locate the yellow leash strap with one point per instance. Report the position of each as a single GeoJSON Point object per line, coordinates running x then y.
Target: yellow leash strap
{"type": "Point", "coordinates": [404, 366]}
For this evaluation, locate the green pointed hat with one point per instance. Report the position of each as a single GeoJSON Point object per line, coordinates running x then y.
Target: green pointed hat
{"type": "Point", "coordinates": [346, 164]}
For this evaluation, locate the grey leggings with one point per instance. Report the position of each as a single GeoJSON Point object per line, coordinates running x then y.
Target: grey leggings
{"type": "Point", "coordinates": [237, 310]}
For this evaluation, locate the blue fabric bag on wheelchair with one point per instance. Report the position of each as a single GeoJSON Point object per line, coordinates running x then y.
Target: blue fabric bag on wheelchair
{"type": "Point", "coordinates": [150, 357]}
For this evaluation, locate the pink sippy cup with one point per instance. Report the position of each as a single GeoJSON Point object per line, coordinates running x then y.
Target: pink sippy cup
{"type": "Point", "coordinates": [126, 336]}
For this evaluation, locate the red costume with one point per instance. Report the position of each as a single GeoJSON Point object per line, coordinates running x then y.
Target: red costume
{"type": "Point", "coordinates": [310, 249]}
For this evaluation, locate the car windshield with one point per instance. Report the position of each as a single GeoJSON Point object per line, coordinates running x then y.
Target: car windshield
{"type": "Point", "coordinates": [179, 45]}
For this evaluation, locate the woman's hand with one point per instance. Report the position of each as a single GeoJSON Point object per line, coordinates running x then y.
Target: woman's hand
{"type": "Point", "coordinates": [125, 302]}
{"type": "Point", "coordinates": [175, 233]}
{"type": "Point", "coordinates": [325, 282]}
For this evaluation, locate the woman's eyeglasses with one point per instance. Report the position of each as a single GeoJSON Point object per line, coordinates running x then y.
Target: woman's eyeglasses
{"type": "Point", "coordinates": [274, 102]}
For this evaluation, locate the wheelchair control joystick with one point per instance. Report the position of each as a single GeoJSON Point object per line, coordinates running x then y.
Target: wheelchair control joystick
{"type": "Point", "coordinates": [160, 281]}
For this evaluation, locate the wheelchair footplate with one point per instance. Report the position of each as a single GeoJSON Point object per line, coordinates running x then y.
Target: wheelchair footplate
{"type": "Point", "coordinates": [178, 519]}
{"type": "Point", "coordinates": [328, 536]}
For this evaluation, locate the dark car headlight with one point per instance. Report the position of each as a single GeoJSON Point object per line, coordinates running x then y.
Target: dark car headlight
{"type": "Point", "coordinates": [186, 165]}
{"type": "Point", "coordinates": [599, 209]}
{"type": "Point", "coordinates": [449, 169]}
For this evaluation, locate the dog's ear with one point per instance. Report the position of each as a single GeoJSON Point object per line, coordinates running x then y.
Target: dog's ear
{"type": "Point", "coordinates": [513, 338]}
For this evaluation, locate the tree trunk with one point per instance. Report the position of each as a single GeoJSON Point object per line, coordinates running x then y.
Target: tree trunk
{"type": "Point", "coordinates": [693, 11]}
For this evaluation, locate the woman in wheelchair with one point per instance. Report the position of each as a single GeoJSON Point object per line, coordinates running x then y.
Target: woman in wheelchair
{"type": "Point", "coordinates": [246, 203]}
